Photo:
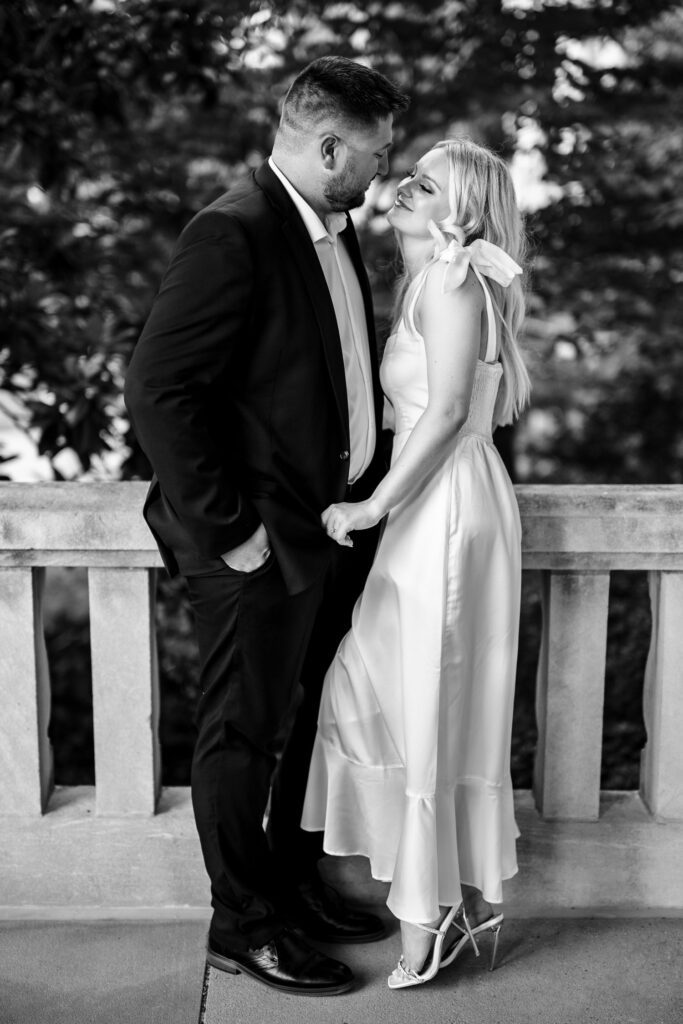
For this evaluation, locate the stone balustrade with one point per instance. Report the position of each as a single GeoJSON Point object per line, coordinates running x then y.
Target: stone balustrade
{"type": "Point", "coordinates": [126, 843]}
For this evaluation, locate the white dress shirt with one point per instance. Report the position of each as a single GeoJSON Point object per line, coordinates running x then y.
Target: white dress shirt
{"type": "Point", "coordinates": [347, 300]}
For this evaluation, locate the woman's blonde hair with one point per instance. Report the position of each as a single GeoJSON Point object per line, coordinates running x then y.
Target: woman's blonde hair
{"type": "Point", "coordinates": [483, 205]}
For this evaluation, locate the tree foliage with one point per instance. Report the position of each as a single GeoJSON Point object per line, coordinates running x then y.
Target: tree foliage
{"type": "Point", "coordinates": [111, 118]}
{"type": "Point", "coordinates": [120, 119]}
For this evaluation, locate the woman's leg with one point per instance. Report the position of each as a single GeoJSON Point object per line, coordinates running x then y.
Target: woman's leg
{"type": "Point", "coordinates": [416, 943]}
{"type": "Point", "coordinates": [476, 907]}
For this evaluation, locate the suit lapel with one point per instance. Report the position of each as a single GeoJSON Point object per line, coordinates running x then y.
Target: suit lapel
{"type": "Point", "coordinates": [305, 257]}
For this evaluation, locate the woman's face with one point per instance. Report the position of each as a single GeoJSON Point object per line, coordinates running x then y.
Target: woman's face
{"type": "Point", "coordinates": [422, 196]}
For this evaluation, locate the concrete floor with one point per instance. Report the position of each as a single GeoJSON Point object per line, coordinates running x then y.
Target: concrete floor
{"type": "Point", "coordinates": [94, 972]}
{"type": "Point", "coordinates": [552, 971]}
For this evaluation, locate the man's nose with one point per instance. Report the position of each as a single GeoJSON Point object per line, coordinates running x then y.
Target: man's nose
{"type": "Point", "coordinates": [383, 166]}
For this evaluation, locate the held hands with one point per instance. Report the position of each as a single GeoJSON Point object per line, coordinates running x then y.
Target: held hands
{"type": "Point", "coordinates": [251, 554]}
{"type": "Point", "coordinates": [340, 520]}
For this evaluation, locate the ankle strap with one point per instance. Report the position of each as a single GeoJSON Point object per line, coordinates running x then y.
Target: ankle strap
{"type": "Point", "coordinates": [426, 928]}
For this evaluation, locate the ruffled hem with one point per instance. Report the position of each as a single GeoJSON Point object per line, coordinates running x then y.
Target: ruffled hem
{"type": "Point", "coordinates": [425, 845]}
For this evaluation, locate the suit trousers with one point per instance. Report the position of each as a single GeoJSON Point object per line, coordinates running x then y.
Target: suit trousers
{"type": "Point", "coordinates": [263, 655]}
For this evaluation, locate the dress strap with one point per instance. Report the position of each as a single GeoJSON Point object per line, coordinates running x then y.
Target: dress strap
{"type": "Point", "coordinates": [490, 354]}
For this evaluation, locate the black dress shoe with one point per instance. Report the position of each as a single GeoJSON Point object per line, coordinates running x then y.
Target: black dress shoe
{"type": "Point", "coordinates": [323, 915]}
{"type": "Point", "coordinates": [287, 963]}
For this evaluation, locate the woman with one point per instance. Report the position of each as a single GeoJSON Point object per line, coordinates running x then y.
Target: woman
{"type": "Point", "coordinates": [411, 761]}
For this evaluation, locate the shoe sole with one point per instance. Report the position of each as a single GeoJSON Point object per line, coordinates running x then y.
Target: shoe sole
{"type": "Point", "coordinates": [224, 963]}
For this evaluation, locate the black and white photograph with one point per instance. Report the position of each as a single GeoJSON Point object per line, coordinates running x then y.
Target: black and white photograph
{"type": "Point", "coordinates": [341, 512]}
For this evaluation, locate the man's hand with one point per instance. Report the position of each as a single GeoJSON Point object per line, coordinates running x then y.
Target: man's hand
{"type": "Point", "coordinates": [250, 554]}
{"type": "Point", "coordinates": [339, 520]}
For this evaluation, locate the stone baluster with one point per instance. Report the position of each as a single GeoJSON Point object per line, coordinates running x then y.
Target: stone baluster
{"type": "Point", "coordinates": [570, 694]}
{"type": "Point", "coordinates": [25, 751]}
{"type": "Point", "coordinates": [125, 691]}
{"type": "Point", "coordinates": [661, 766]}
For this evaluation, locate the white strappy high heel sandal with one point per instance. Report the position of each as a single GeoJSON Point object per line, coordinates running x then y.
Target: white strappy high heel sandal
{"type": "Point", "coordinates": [493, 924]}
{"type": "Point", "coordinates": [404, 976]}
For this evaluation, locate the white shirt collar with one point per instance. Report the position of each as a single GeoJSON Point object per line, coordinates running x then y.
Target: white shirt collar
{"type": "Point", "coordinates": [336, 222]}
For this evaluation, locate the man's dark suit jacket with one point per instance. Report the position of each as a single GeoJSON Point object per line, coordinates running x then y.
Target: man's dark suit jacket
{"type": "Point", "coordinates": [236, 388]}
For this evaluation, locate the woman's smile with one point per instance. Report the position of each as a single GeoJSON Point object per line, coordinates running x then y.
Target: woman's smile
{"type": "Point", "coordinates": [423, 193]}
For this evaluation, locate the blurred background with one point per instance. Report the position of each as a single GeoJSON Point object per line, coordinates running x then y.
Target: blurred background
{"type": "Point", "coordinates": [119, 120]}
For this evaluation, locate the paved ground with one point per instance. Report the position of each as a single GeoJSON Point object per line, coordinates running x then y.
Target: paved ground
{"type": "Point", "coordinates": [559, 971]}
{"type": "Point", "coordinates": [101, 972]}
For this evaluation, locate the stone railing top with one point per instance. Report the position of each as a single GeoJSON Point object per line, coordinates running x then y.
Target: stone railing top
{"type": "Point", "coordinates": [564, 527]}
{"type": "Point", "coordinates": [602, 527]}
{"type": "Point", "coordinates": [97, 524]}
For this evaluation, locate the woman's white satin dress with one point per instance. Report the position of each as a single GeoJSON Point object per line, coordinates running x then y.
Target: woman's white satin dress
{"type": "Point", "coordinates": [411, 765]}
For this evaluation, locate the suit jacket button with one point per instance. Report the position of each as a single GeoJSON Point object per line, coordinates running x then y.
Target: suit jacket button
{"type": "Point", "coordinates": [343, 455]}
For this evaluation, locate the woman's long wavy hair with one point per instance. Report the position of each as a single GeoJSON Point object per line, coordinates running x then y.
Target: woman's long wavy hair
{"type": "Point", "coordinates": [483, 205]}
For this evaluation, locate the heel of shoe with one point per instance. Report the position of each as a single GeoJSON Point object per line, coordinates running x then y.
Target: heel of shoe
{"type": "Point", "coordinates": [221, 963]}
{"type": "Point", "coordinates": [496, 936]}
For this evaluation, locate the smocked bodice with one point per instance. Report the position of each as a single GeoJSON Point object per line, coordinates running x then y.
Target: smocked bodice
{"type": "Point", "coordinates": [404, 380]}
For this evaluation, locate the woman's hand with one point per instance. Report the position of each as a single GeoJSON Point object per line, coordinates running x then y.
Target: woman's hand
{"type": "Point", "coordinates": [340, 520]}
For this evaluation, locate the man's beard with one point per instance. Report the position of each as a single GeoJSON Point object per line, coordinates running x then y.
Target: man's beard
{"type": "Point", "coordinates": [344, 193]}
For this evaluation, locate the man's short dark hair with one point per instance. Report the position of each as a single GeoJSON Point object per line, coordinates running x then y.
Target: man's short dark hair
{"type": "Point", "coordinates": [334, 86]}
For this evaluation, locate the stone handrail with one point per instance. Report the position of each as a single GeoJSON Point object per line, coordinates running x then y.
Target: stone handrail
{"type": "Point", "coordinates": [573, 535]}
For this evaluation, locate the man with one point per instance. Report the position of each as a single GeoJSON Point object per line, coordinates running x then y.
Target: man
{"type": "Point", "coordinates": [254, 392]}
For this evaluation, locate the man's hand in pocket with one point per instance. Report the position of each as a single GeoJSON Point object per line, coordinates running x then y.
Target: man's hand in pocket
{"type": "Point", "coordinates": [251, 554]}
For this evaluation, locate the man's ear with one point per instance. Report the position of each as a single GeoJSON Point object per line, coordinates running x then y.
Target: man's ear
{"type": "Point", "coordinates": [329, 150]}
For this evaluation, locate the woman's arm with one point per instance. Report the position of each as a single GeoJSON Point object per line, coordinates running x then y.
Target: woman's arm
{"type": "Point", "coordinates": [450, 323]}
